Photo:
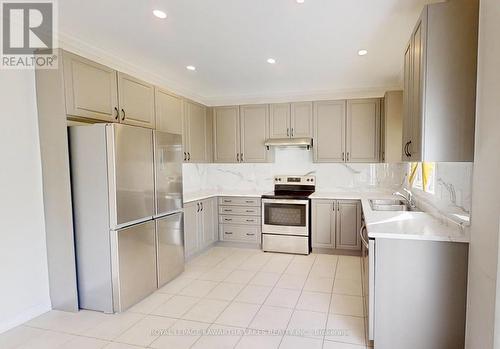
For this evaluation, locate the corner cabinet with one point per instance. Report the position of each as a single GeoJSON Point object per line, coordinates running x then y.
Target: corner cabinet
{"type": "Point", "coordinates": [291, 120]}
{"type": "Point", "coordinates": [196, 133]}
{"type": "Point", "coordinates": [240, 133]}
{"type": "Point", "coordinates": [439, 97]}
{"type": "Point", "coordinates": [336, 224]}
{"type": "Point", "coordinates": [363, 130]}
{"type": "Point", "coordinates": [200, 225]}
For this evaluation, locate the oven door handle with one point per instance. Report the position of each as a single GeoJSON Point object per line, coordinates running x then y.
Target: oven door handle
{"type": "Point", "coordinates": [285, 201]}
{"type": "Point", "coordinates": [361, 235]}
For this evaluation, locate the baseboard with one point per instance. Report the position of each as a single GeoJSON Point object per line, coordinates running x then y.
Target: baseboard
{"type": "Point", "coordinates": [25, 316]}
{"type": "Point", "coordinates": [337, 251]}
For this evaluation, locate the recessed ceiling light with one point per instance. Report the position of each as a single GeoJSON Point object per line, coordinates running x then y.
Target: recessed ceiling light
{"type": "Point", "coordinates": [191, 67]}
{"type": "Point", "coordinates": [271, 60]}
{"type": "Point", "coordinates": [299, 1]}
{"type": "Point", "coordinates": [160, 14]}
{"type": "Point", "coordinates": [362, 52]}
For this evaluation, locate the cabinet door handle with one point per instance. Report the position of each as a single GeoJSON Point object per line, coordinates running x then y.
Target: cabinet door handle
{"type": "Point", "coordinates": [292, 131]}
{"type": "Point", "coordinates": [237, 157]}
{"type": "Point", "coordinates": [405, 150]}
{"type": "Point", "coordinates": [241, 157]}
{"type": "Point", "coordinates": [409, 152]}
{"type": "Point", "coordinates": [347, 156]}
{"type": "Point", "coordinates": [198, 207]}
{"type": "Point", "coordinates": [189, 156]}
{"type": "Point", "coordinates": [123, 114]}
{"type": "Point", "coordinates": [185, 156]}
{"type": "Point", "coordinates": [250, 234]}
{"type": "Point", "coordinates": [201, 203]}
{"type": "Point", "coordinates": [287, 132]}
{"type": "Point", "coordinates": [117, 113]}
{"type": "Point", "coordinates": [343, 157]}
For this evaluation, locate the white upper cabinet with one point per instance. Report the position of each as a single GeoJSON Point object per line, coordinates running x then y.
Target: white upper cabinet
{"type": "Point", "coordinates": [440, 83]}
{"type": "Point", "coordinates": [168, 111]}
{"type": "Point", "coordinates": [279, 123]}
{"type": "Point", "coordinates": [196, 135]}
{"type": "Point", "coordinates": [137, 101]}
{"type": "Point", "coordinates": [301, 120]}
{"type": "Point", "coordinates": [91, 89]}
{"type": "Point", "coordinates": [254, 127]}
{"type": "Point", "coordinates": [391, 127]}
{"type": "Point", "coordinates": [227, 134]}
{"type": "Point", "coordinates": [291, 120]}
{"type": "Point", "coordinates": [363, 130]}
{"type": "Point", "coordinates": [240, 133]}
{"type": "Point", "coordinates": [329, 131]}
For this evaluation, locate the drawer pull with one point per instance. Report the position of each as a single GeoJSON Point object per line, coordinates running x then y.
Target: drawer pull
{"type": "Point", "coordinates": [228, 233]}
{"type": "Point", "coordinates": [250, 234]}
{"type": "Point", "coordinates": [251, 220]}
{"type": "Point", "coordinates": [250, 211]}
{"type": "Point", "coordinates": [228, 200]}
{"type": "Point", "coordinates": [249, 201]}
{"type": "Point", "coordinates": [227, 210]}
{"type": "Point", "coordinates": [228, 219]}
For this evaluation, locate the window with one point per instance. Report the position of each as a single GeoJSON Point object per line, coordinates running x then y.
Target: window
{"type": "Point", "coordinates": [423, 172]}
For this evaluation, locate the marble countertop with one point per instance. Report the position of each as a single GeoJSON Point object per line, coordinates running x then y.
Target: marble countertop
{"type": "Point", "coordinates": [399, 225]}
{"type": "Point", "coordinates": [200, 195]}
{"type": "Point", "coordinates": [380, 224]}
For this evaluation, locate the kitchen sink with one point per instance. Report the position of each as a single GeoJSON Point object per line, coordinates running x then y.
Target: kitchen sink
{"type": "Point", "coordinates": [391, 205]}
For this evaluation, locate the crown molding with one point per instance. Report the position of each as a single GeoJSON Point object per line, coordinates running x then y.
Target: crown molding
{"type": "Point", "coordinates": [115, 61]}
{"type": "Point", "coordinates": [299, 96]}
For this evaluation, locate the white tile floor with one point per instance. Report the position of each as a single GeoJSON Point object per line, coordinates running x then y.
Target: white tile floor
{"type": "Point", "coordinates": [226, 298]}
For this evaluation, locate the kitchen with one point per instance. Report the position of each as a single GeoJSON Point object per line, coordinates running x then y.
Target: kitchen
{"type": "Point", "coordinates": [259, 214]}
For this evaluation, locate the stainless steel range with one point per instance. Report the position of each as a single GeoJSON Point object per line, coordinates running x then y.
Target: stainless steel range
{"type": "Point", "coordinates": [286, 215]}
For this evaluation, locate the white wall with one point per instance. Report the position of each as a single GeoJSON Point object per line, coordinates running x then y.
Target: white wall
{"type": "Point", "coordinates": [259, 177]}
{"type": "Point", "coordinates": [24, 288]}
{"type": "Point", "coordinates": [482, 331]}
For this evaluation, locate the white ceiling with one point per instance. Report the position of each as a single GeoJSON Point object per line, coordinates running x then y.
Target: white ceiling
{"type": "Point", "coordinates": [315, 44]}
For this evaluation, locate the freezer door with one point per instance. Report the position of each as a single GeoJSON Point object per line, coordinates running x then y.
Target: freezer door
{"type": "Point", "coordinates": [133, 256]}
{"type": "Point", "coordinates": [168, 172]}
{"type": "Point", "coordinates": [170, 242]}
{"type": "Point", "coordinates": [130, 165]}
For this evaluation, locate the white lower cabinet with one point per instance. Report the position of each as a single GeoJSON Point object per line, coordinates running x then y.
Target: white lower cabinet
{"type": "Point", "coordinates": [200, 225]}
{"type": "Point", "coordinates": [239, 219]}
{"type": "Point", "coordinates": [335, 224]}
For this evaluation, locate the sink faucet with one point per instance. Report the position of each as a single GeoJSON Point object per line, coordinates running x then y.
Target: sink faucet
{"type": "Point", "coordinates": [408, 199]}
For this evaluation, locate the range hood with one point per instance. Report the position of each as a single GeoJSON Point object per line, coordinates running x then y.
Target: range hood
{"type": "Point", "coordinates": [289, 142]}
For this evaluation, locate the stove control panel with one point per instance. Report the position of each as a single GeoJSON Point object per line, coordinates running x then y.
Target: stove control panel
{"type": "Point", "coordinates": [295, 180]}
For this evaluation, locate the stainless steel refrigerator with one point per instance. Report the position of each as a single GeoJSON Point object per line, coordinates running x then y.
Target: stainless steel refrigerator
{"type": "Point", "coordinates": [127, 204]}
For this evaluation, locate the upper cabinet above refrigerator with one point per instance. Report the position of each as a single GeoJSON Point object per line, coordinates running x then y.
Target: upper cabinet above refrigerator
{"type": "Point", "coordinates": [440, 83]}
{"type": "Point", "coordinates": [96, 92]}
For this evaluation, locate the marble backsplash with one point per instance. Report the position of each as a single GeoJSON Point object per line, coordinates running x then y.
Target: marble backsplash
{"type": "Point", "coordinates": [259, 177]}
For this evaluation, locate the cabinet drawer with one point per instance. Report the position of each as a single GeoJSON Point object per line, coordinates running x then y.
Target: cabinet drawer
{"type": "Point", "coordinates": [230, 232]}
{"type": "Point", "coordinates": [239, 201]}
{"type": "Point", "coordinates": [248, 220]}
{"type": "Point", "coordinates": [239, 210]}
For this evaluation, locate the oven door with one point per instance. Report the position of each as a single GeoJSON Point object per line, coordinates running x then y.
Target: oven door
{"type": "Point", "coordinates": [285, 217]}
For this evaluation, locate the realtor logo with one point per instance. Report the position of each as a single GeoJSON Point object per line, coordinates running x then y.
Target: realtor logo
{"type": "Point", "coordinates": [28, 34]}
